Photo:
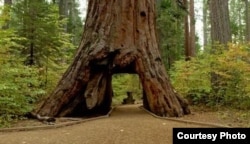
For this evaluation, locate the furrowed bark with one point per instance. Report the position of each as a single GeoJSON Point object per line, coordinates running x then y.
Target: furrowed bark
{"type": "Point", "coordinates": [119, 37]}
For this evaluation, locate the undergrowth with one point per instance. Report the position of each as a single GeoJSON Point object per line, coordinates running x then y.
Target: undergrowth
{"type": "Point", "coordinates": [195, 80]}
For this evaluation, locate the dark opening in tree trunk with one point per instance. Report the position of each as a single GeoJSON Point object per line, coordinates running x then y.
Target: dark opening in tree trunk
{"type": "Point", "coordinates": [119, 37]}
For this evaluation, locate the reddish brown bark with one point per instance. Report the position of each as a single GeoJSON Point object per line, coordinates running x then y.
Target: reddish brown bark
{"type": "Point", "coordinates": [189, 27]}
{"type": "Point", "coordinates": [119, 37]}
{"type": "Point", "coordinates": [220, 23]}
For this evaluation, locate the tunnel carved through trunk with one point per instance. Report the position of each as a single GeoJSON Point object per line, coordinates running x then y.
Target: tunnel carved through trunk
{"type": "Point", "coordinates": [119, 37]}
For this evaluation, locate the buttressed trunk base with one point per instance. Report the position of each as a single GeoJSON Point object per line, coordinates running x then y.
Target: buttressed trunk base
{"type": "Point", "coordinates": [119, 37]}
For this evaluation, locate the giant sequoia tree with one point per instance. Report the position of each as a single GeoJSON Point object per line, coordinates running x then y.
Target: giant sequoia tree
{"type": "Point", "coordinates": [119, 37]}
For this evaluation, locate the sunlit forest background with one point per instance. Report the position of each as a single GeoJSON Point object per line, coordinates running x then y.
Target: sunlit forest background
{"type": "Point", "coordinates": [38, 39]}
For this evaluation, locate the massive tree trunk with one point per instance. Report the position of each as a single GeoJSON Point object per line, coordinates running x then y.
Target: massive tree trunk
{"type": "Point", "coordinates": [119, 37]}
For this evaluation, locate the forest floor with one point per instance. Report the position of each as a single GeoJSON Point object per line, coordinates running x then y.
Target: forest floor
{"type": "Point", "coordinates": [126, 124]}
{"type": "Point", "coordinates": [223, 116]}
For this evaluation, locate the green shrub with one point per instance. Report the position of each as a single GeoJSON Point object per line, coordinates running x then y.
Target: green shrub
{"type": "Point", "coordinates": [20, 88]}
{"type": "Point", "coordinates": [232, 67]}
{"type": "Point", "coordinates": [20, 85]}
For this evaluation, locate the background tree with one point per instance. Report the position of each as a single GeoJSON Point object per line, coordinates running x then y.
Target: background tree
{"type": "Point", "coordinates": [218, 77]}
{"type": "Point", "coordinates": [170, 30]}
{"type": "Point", "coordinates": [34, 30]}
{"type": "Point", "coordinates": [6, 11]}
{"type": "Point", "coordinates": [43, 31]}
{"type": "Point", "coordinates": [68, 10]}
{"type": "Point", "coordinates": [192, 29]}
{"type": "Point", "coordinates": [220, 23]}
{"type": "Point", "coordinates": [189, 29]}
{"type": "Point", "coordinates": [20, 85]}
{"type": "Point", "coordinates": [9, 2]}
{"type": "Point", "coordinates": [187, 32]}
{"type": "Point", "coordinates": [237, 20]}
{"type": "Point", "coordinates": [74, 24]}
{"type": "Point", "coordinates": [205, 23]}
{"type": "Point", "coordinates": [247, 15]}
{"type": "Point", "coordinates": [220, 34]}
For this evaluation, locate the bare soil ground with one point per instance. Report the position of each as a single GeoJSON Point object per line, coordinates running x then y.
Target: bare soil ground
{"type": "Point", "coordinates": [127, 124]}
{"type": "Point", "coordinates": [223, 116]}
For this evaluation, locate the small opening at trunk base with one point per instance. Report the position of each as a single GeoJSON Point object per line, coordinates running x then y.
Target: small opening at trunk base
{"type": "Point", "coordinates": [143, 13]}
{"type": "Point", "coordinates": [127, 89]}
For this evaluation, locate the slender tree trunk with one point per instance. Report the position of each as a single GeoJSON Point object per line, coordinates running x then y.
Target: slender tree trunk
{"type": "Point", "coordinates": [187, 33]}
{"type": "Point", "coordinates": [241, 26]}
{"type": "Point", "coordinates": [247, 21]}
{"type": "Point", "coordinates": [31, 60]}
{"type": "Point", "coordinates": [189, 24]}
{"type": "Point", "coordinates": [63, 10]}
{"type": "Point", "coordinates": [205, 24]}
{"type": "Point", "coordinates": [192, 29]}
{"type": "Point", "coordinates": [31, 33]}
{"type": "Point", "coordinates": [119, 37]}
{"type": "Point", "coordinates": [7, 4]}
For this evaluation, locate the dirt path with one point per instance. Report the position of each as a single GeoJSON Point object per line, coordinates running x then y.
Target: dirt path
{"type": "Point", "coordinates": [126, 125]}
